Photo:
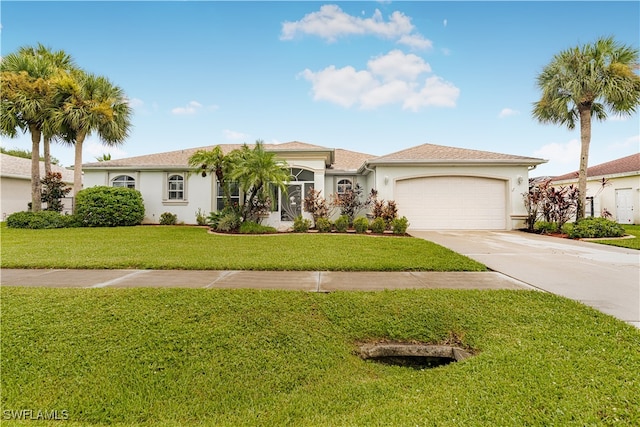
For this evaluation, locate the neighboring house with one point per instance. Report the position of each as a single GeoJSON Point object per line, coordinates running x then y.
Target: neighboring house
{"type": "Point", "coordinates": [435, 187]}
{"type": "Point", "coordinates": [15, 183]}
{"type": "Point", "coordinates": [613, 187]}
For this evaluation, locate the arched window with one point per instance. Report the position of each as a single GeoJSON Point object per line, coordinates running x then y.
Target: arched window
{"type": "Point", "coordinates": [125, 181]}
{"type": "Point", "coordinates": [344, 185]}
{"type": "Point", "coordinates": [176, 187]}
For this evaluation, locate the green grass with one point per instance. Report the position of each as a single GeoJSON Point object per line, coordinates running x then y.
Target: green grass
{"type": "Point", "coordinates": [192, 248]}
{"type": "Point", "coordinates": [634, 243]}
{"type": "Point", "coordinates": [171, 357]}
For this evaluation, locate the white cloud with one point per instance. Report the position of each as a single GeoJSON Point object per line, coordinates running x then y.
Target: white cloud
{"type": "Point", "coordinates": [389, 79]}
{"type": "Point", "coordinates": [633, 141]}
{"type": "Point", "coordinates": [191, 108]}
{"type": "Point", "coordinates": [135, 103]}
{"type": "Point", "coordinates": [231, 134]}
{"type": "Point", "coordinates": [331, 23]}
{"type": "Point", "coordinates": [444, 23]}
{"type": "Point", "coordinates": [507, 112]}
{"type": "Point", "coordinates": [564, 154]}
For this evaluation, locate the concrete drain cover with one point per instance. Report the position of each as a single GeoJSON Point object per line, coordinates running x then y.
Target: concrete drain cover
{"type": "Point", "coordinates": [417, 356]}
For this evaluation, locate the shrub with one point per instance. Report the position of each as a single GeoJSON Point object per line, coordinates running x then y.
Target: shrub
{"type": "Point", "coordinates": [361, 224]}
{"type": "Point", "coordinates": [400, 225]}
{"type": "Point", "coordinates": [201, 219]}
{"type": "Point", "coordinates": [109, 207]}
{"type": "Point", "coordinates": [342, 224]}
{"type": "Point", "coordinates": [167, 218]}
{"type": "Point", "coordinates": [53, 190]}
{"type": "Point", "coordinates": [596, 227]}
{"type": "Point", "coordinates": [545, 227]}
{"type": "Point", "coordinates": [316, 205]}
{"type": "Point", "coordinates": [40, 220]}
{"type": "Point", "coordinates": [250, 227]}
{"type": "Point", "coordinates": [324, 225]}
{"type": "Point", "coordinates": [378, 225]}
{"type": "Point", "coordinates": [301, 225]}
{"type": "Point", "coordinates": [229, 221]}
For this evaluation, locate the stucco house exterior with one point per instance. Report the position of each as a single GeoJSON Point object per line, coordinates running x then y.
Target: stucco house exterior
{"type": "Point", "coordinates": [434, 186]}
{"type": "Point", "coordinates": [612, 186]}
{"type": "Point", "coordinates": [15, 183]}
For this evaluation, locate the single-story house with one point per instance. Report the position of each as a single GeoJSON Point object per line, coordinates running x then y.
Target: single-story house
{"type": "Point", "coordinates": [435, 187]}
{"type": "Point", "coordinates": [15, 183]}
{"type": "Point", "coordinates": [612, 187]}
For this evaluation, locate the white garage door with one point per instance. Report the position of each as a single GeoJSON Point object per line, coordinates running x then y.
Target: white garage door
{"type": "Point", "coordinates": [452, 203]}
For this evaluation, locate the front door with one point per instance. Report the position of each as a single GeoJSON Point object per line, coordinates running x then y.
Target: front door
{"type": "Point", "coordinates": [291, 203]}
{"type": "Point", "coordinates": [624, 206]}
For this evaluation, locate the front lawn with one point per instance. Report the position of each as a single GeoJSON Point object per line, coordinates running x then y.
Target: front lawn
{"type": "Point", "coordinates": [634, 243]}
{"type": "Point", "coordinates": [192, 248]}
{"type": "Point", "coordinates": [175, 357]}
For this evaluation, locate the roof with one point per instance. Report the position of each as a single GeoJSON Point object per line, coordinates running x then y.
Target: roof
{"type": "Point", "coordinates": [431, 153]}
{"type": "Point", "coordinates": [350, 160]}
{"type": "Point", "coordinates": [624, 165]}
{"type": "Point", "coordinates": [18, 167]}
{"type": "Point", "coordinates": [180, 158]}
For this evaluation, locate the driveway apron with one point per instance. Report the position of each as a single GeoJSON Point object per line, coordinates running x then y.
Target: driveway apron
{"type": "Point", "coordinates": [604, 277]}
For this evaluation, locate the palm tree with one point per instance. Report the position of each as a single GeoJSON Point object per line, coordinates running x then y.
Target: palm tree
{"type": "Point", "coordinates": [258, 172]}
{"type": "Point", "coordinates": [89, 104]}
{"type": "Point", "coordinates": [28, 78]}
{"type": "Point", "coordinates": [214, 161]}
{"type": "Point", "coordinates": [585, 82]}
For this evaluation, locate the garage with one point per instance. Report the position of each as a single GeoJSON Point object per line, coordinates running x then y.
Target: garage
{"type": "Point", "coordinates": [453, 203]}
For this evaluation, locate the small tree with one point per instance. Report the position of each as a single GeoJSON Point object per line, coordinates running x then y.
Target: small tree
{"type": "Point", "coordinates": [350, 202]}
{"type": "Point", "coordinates": [316, 205]}
{"type": "Point", "coordinates": [53, 191]}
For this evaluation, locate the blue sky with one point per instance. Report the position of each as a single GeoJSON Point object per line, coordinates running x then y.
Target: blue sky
{"type": "Point", "coordinates": [374, 77]}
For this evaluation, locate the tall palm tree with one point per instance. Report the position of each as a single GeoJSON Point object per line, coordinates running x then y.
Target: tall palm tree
{"type": "Point", "coordinates": [584, 82]}
{"type": "Point", "coordinates": [28, 77]}
{"type": "Point", "coordinates": [258, 172]}
{"type": "Point", "coordinates": [216, 162]}
{"type": "Point", "coordinates": [89, 104]}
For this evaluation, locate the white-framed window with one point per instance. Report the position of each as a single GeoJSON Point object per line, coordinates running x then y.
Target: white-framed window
{"type": "Point", "coordinates": [175, 187]}
{"type": "Point", "coordinates": [343, 185]}
{"type": "Point", "coordinates": [235, 195]}
{"type": "Point", "coordinates": [125, 181]}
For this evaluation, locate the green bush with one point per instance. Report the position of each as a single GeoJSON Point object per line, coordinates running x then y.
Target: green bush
{"type": "Point", "coordinates": [250, 227]}
{"type": "Point", "coordinates": [301, 225]}
{"type": "Point", "coordinates": [228, 222]}
{"type": "Point", "coordinates": [323, 225]}
{"type": "Point", "coordinates": [595, 228]}
{"type": "Point", "coordinates": [378, 225]}
{"type": "Point", "coordinates": [400, 225]}
{"type": "Point", "coordinates": [342, 224]}
{"type": "Point", "coordinates": [545, 227]}
{"type": "Point", "coordinates": [40, 220]}
{"type": "Point", "coordinates": [167, 218]}
{"type": "Point", "coordinates": [361, 224]}
{"type": "Point", "coordinates": [201, 219]}
{"type": "Point", "coordinates": [109, 207]}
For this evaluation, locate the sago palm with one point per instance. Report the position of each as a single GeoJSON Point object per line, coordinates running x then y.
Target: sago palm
{"type": "Point", "coordinates": [586, 82]}
{"type": "Point", "coordinates": [91, 104]}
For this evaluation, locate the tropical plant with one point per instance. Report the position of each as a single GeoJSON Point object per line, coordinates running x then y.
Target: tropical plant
{"type": "Point", "coordinates": [201, 218]}
{"type": "Point", "coordinates": [350, 202]}
{"type": "Point", "coordinates": [28, 98]}
{"type": "Point", "coordinates": [585, 82]}
{"type": "Point", "coordinates": [53, 191]}
{"type": "Point", "coordinates": [215, 162]}
{"type": "Point", "coordinates": [90, 104]}
{"type": "Point", "coordinates": [250, 227]}
{"type": "Point", "coordinates": [104, 158]}
{"type": "Point", "coordinates": [316, 205]}
{"type": "Point", "coordinates": [259, 173]}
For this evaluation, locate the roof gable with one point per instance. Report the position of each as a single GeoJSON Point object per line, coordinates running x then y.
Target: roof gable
{"type": "Point", "coordinates": [625, 165]}
{"type": "Point", "coordinates": [431, 153]}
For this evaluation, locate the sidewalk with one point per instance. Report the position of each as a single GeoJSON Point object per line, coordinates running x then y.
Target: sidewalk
{"type": "Point", "coordinates": [311, 281]}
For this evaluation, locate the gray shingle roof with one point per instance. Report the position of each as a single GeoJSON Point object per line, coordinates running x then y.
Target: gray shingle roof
{"type": "Point", "coordinates": [17, 167]}
{"type": "Point", "coordinates": [624, 165]}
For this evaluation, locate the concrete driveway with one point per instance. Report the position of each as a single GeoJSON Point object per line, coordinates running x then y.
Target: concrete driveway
{"type": "Point", "coordinates": [604, 277]}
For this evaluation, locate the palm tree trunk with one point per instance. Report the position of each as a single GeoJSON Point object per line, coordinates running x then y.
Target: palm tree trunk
{"type": "Point", "coordinates": [36, 193]}
{"type": "Point", "coordinates": [585, 141]}
{"type": "Point", "coordinates": [47, 155]}
{"type": "Point", "coordinates": [77, 164]}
